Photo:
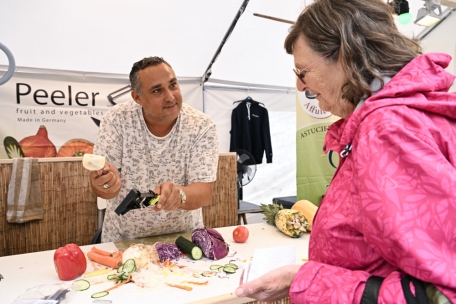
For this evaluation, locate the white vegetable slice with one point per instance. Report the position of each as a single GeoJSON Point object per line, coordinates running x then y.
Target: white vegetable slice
{"type": "Point", "coordinates": [80, 285]}
{"type": "Point", "coordinates": [93, 162]}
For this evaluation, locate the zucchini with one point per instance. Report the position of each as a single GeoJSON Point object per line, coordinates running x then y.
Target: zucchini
{"type": "Point", "coordinates": [189, 248]}
{"type": "Point", "coordinates": [80, 285]}
{"type": "Point", "coordinates": [229, 269]}
{"type": "Point", "coordinates": [12, 147]}
{"type": "Point", "coordinates": [129, 266]}
{"type": "Point", "coordinates": [100, 294]}
{"type": "Point", "coordinates": [153, 201]}
{"type": "Point", "coordinates": [209, 273]}
{"type": "Point", "coordinates": [216, 267]}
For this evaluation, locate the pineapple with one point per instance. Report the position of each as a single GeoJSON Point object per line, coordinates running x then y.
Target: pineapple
{"type": "Point", "coordinates": [291, 222]}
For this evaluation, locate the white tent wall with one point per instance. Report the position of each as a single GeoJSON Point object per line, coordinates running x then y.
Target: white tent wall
{"type": "Point", "coordinates": [279, 177]}
{"type": "Point", "coordinates": [443, 39]}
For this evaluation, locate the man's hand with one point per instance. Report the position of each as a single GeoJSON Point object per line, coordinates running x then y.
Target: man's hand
{"type": "Point", "coordinates": [170, 198]}
{"type": "Point", "coordinates": [106, 185]}
{"type": "Point", "coordinates": [273, 286]}
{"type": "Point", "coordinates": [198, 194]}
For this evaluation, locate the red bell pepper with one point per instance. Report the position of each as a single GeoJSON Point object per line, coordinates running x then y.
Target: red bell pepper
{"type": "Point", "coordinates": [69, 262]}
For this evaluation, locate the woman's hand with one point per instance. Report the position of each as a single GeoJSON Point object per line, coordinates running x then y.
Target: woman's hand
{"type": "Point", "coordinates": [273, 286]}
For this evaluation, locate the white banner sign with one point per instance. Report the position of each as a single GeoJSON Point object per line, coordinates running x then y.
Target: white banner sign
{"type": "Point", "coordinates": [58, 115]}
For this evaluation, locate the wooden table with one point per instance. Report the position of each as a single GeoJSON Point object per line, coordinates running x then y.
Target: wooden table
{"type": "Point", "coordinates": [25, 271]}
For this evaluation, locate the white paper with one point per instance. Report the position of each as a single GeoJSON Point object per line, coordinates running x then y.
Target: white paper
{"type": "Point", "coordinates": [267, 259]}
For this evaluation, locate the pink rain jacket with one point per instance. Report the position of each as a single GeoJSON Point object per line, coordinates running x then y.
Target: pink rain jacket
{"type": "Point", "coordinates": [391, 206]}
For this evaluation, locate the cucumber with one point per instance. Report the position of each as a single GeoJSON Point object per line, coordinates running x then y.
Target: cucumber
{"type": "Point", "coordinates": [216, 267]}
{"type": "Point", "coordinates": [189, 248]}
{"type": "Point", "coordinates": [129, 266]}
{"type": "Point", "coordinates": [100, 294]}
{"type": "Point", "coordinates": [80, 285]}
{"type": "Point", "coordinates": [229, 269]}
{"type": "Point", "coordinates": [209, 273]}
{"type": "Point", "coordinates": [120, 269]}
{"type": "Point", "coordinates": [112, 277]}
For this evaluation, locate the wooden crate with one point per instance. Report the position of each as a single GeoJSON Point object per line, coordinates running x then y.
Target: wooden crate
{"type": "Point", "coordinates": [223, 209]}
{"type": "Point", "coordinates": [70, 208]}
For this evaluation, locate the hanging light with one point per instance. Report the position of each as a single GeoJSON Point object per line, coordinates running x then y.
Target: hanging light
{"type": "Point", "coordinates": [401, 8]}
{"type": "Point", "coordinates": [427, 16]}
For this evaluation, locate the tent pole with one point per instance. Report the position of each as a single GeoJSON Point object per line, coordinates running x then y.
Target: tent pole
{"type": "Point", "coordinates": [208, 71]}
{"type": "Point", "coordinates": [273, 18]}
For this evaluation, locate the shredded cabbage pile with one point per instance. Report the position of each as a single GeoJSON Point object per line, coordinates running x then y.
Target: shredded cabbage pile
{"type": "Point", "coordinates": [167, 251]}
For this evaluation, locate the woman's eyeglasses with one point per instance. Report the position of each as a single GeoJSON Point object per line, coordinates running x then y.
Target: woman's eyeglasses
{"type": "Point", "coordinates": [302, 73]}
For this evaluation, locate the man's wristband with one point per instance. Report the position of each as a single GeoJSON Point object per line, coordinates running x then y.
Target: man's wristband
{"type": "Point", "coordinates": [183, 196]}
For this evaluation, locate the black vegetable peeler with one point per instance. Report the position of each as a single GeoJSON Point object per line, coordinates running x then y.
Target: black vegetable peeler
{"type": "Point", "coordinates": [136, 200]}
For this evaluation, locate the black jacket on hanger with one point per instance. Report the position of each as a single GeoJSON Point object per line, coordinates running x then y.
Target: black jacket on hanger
{"type": "Point", "coordinates": [250, 130]}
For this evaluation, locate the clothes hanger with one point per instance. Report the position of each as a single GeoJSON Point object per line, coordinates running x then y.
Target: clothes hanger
{"type": "Point", "coordinates": [249, 99]}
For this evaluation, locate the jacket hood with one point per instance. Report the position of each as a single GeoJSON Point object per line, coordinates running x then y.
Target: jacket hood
{"type": "Point", "coordinates": [422, 84]}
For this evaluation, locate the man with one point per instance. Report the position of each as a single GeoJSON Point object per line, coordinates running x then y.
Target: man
{"type": "Point", "coordinates": [160, 144]}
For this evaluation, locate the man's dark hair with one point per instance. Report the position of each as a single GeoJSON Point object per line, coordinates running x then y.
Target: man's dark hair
{"type": "Point", "coordinates": [141, 65]}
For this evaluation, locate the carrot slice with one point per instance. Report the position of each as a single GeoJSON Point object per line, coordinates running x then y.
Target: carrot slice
{"type": "Point", "coordinates": [195, 283]}
{"type": "Point", "coordinates": [104, 260]}
{"type": "Point", "coordinates": [188, 288]}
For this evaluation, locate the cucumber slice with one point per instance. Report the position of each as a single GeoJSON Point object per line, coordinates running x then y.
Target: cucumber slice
{"type": "Point", "coordinates": [216, 267]}
{"type": "Point", "coordinates": [80, 285]}
{"type": "Point", "coordinates": [112, 277]}
{"type": "Point", "coordinates": [229, 269]}
{"type": "Point", "coordinates": [232, 265]}
{"type": "Point", "coordinates": [190, 248]}
{"type": "Point", "coordinates": [129, 266]}
{"type": "Point", "coordinates": [209, 273]}
{"type": "Point", "coordinates": [100, 294]}
{"type": "Point", "coordinates": [120, 269]}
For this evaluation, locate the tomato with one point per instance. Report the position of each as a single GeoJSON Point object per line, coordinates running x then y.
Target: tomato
{"type": "Point", "coordinates": [240, 234]}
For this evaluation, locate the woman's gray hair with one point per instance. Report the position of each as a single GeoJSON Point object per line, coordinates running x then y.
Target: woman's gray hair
{"type": "Point", "coordinates": [362, 33]}
{"type": "Point", "coordinates": [135, 82]}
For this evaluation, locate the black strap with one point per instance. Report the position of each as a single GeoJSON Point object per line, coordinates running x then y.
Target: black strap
{"type": "Point", "coordinates": [420, 291]}
{"type": "Point", "coordinates": [372, 289]}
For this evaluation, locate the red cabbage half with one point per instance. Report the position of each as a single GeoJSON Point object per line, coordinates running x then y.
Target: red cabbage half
{"type": "Point", "coordinates": [211, 243]}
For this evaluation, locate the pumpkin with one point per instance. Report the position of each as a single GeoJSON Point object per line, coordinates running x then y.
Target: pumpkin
{"type": "Point", "coordinates": [308, 209]}
{"type": "Point", "coordinates": [75, 147]}
{"type": "Point", "coordinates": [38, 145]}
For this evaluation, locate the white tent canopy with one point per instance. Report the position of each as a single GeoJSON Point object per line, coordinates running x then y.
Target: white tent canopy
{"type": "Point", "coordinates": [107, 36]}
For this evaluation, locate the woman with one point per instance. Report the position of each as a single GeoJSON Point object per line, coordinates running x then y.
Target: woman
{"type": "Point", "coordinates": [388, 215]}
